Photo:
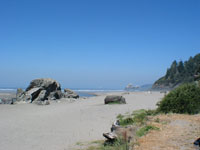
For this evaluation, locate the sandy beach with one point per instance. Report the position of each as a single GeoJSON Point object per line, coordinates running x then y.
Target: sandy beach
{"type": "Point", "coordinates": [59, 126]}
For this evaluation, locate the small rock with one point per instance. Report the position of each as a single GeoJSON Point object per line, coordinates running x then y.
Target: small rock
{"type": "Point", "coordinates": [197, 142]}
{"type": "Point", "coordinates": [70, 94]}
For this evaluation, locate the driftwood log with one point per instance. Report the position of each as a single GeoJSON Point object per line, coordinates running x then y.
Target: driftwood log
{"type": "Point", "coordinates": [117, 131]}
{"type": "Point", "coordinates": [110, 136]}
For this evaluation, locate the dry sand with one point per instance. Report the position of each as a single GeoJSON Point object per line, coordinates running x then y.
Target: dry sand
{"type": "Point", "coordinates": [60, 126]}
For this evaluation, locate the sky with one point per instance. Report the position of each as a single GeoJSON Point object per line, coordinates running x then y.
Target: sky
{"type": "Point", "coordinates": [95, 43]}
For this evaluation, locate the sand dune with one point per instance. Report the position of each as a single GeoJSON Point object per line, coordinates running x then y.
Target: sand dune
{"type": "Point", "coordinates": [60, 125]}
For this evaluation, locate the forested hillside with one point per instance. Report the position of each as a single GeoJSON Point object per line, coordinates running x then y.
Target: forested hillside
{"type": "Point", "coordinates": [180, 72]}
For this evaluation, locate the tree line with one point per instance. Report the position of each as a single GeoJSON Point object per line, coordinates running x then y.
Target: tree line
{"type": "Point", "coordinates": [180, 72]}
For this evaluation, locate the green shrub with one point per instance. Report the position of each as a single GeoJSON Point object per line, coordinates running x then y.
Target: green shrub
{"type": "Point", "coordinates": [151, 112]}
{"type": "Point", "coordinates": [126, 121]}
{"type": "Point", "coordinates": [184, 99]}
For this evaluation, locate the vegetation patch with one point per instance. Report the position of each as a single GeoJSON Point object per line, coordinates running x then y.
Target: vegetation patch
{"type": "Point", "coordinates": [179, 73]}
{"type": "Point", "coordinates": [184, 99]}
{"type": "Point", "coordinates": [137, 117]}
{"type": "Point", "coordinates": [118, 144]}
{"type": "Point", "coordinates": [144, 130]}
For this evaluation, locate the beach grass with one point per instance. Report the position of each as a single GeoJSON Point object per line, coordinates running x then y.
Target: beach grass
{"type": "Point", "coordinates": [144, 130]}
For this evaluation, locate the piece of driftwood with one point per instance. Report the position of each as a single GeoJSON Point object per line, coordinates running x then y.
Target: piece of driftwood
{"type": "Point", "coordinates": [115, 125]}
{"type": "Point", "coordinates": [110, 136]}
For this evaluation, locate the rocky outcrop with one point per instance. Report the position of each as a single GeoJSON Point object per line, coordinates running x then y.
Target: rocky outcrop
{"type": "Point", "coordinates": [70, 94]}
{"type": "Point", "coordinates": [130, 87]}
{"type": "Point", "coordinates": [114, 99]}
{"type": "Point", "coordinates": [40, 90]}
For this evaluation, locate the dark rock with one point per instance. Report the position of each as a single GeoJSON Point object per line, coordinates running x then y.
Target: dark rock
{"type": "Point", "coordinates": [70, 94]}
{"type": "Point", "coordinates": [55, 95]}
{"type": "Point", "coordinates": [40, 90]}
{"type": "Point", "coordinates": [114, 99]}
{"type": "Point", "coordinates": [197, 142]}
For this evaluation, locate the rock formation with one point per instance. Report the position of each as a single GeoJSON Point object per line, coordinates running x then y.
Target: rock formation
{"type": "Point", "coordinates": [130, 87]}
{"type": "Point", "coordinates": [40, 90]}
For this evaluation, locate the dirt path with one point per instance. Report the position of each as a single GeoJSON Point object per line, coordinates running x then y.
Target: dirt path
{"type": "Point", "coordinates": [177, 132]}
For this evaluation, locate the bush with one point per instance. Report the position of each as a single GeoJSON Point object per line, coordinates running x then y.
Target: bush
{"type": "Point", "coordinates": [184, 99]}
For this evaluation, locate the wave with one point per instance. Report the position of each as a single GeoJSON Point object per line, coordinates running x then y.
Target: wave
{"type": "Point", "coordinates": [5, 89]}
{"type": "Point", "coordinates": [78, 90]}
{"type": "Point", "coordinates": [98, 90]}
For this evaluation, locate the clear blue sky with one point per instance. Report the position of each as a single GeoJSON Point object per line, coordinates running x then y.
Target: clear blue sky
{"type": "Point", "coordinates": [95, 43]}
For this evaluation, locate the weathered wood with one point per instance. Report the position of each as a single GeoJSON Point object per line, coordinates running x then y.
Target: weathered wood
{"type": "Point", "coordinates": [110, 136]}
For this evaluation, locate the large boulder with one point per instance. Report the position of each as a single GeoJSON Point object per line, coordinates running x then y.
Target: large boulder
{"type": "Point", "coordinates": [114, 99]}
{"type": "Point", "coordinates": [70, 94]}
{"type": "Point", "coordinates": [44, 83]}
{"type": "Point", "coordinates": [41, 90]}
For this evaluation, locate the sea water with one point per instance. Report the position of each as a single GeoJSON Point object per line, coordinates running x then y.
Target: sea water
{"type": "Point", "coordinates": [81, 92]}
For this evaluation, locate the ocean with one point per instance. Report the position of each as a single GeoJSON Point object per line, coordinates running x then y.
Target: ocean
{"type": "Point", "coordinates": [81, 92]}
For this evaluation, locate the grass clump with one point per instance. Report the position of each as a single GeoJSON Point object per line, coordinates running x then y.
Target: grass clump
{"type": "Point", "coordinates": [140, 118]}
{"type": "Point", "coordinates": [144, 130]}
{"type": "Point", "coordinates": [118, 144]}
{"type": "Point", "coordinates": [184, 99]}
{"type": "Point", "coordinates": [137, 117]}
{"type": "Point", "coordinates": [126, 121]}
